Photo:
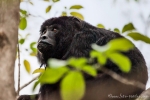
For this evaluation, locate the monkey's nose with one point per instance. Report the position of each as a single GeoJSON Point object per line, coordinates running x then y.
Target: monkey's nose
{"type": "Point", "coordinates": [44, 37]}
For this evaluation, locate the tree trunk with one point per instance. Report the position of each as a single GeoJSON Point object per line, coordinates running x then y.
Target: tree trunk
{"type": "Point", "coordinates": [9, 20]}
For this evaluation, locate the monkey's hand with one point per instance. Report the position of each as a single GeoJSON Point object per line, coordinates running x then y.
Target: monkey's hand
{"type": "Point", "coordinates": [28, 97]}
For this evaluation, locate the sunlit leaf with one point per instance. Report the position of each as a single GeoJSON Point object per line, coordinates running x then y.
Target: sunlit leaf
{"type": "Point", "coordinates": [100, 57]}
{"type": "Point", "coordinates": [53, 75]}
{"type": "Point", "coordinates": [27, 66]}
{"type": "Point", "coordinates": [137, 36]}
{"type": "Point", "coordinates": [77, 62]}
{"type": "Point", "coordinates": [100, 48]}
{"type": "Point", "coordinates": [100, 26]}
{"type": "Point", "coordinates": [54, 63]}
{"type": "Point", "coordinates": [123, 62]}
{"type": "Point", "coordinates": [48, 9]}
{"type": "Point", "coordinates": [21, 41]}
{"type": "Point", "coordinates": [117, 30]}
{"type": "Point", "coordinates": [73, 86]}
{"type": "Point", "coordinates": [46, 0]}
{"type": "Point", "coordinates": [94, 54]}
{"type": "Point", "coordinates": [90, 70]}
{"type": "Point", "coordinates": [128, 27]}
{"type": "Point", "coordinates": [56, 0]}
{"type": "Point", "coordinates": [23, 23]}
{"type": "Point", "coordinates": [33, 54]}
{"type": "Point", "coordinates": [78, 15]}
{"type": "Point", "coordinates": [39, 70]}
{"type": "Point", "coordinates": [120, 44]}
{"type": "Point", "coordinates": [76, 7]}
{"type": "Point", "coordinates": [64, 13]}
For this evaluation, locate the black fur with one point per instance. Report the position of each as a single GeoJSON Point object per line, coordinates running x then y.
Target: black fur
{"type": "Point", "coordinates": [74, 38]}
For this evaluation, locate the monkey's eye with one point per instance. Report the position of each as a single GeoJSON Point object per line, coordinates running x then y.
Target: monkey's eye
{"type": "Point", "coordinates": [44, 32]}
{"type": "Point", "coordinates": [55, 29]}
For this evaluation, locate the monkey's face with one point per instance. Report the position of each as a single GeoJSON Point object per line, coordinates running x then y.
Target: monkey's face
{"type": "Point", "coordinates": [47, 40]}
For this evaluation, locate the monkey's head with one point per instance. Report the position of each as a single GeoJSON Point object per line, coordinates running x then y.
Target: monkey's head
{"type": "Point", "coordinates": [56, 35]}
{"type": "Point", "coordinates": [47, 40]}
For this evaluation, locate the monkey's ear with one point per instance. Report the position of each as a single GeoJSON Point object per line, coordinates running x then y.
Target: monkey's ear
{"type": "Point", "coordinates": [76, 19]}
{"type": "Point", "coordinates": [78, 22]}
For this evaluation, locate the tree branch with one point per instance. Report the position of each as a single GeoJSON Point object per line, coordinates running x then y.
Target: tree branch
{"type": "Point", "coordinates": [122, 79]}
{"type": "Point", "coordinates": [18, 69]}
{"type": "Point", "coordinates": [28, 83]}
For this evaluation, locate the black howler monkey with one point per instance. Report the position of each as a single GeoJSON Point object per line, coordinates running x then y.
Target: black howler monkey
{"type": "Point", "coordinates": [64, 37]}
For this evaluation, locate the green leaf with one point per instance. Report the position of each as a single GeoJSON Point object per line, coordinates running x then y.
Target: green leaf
{"type": "Point", "coordinates": [76, 7]}
{"type": "Point", "coordinates": [48, 9]}
{"type": "Point", "coordinates": [78, 15]}
{"type": "Point", "coordinates": [64, 13]}
{"type": "Point", "coordinates": [24, 12]}
{"type": "Point", "coordinates": [55, 63]}
{"type": "Point", "coordinates": [123, 62]}
{"type": "Point", "coordinates": [100, 57]}
{"type": "Point", "coordinates": [100, 48]}
{"type": "Point", "coordinates": [77, 62]}
{"type": "Point", "coordinates": [27, 66]}
{"type": "Point", "coordinates": [94, 54]}
{"type": "Point", "coordinates": [90, 70]}
{"type": "Point", "coordinates": [72, 86]}
{"type": "Point", "coordinates": [56, 0]}
{"type": "Point", "coordinates": [47, 0]}
{"type": "Point", "coordinates": [117, 30]}
{"type": "Point", "coordinates": [39, 70]}
{"type": "Point", "coordinates": [53, 75]}
{"type": "Point", "coordinates": [128, 27]}
{"type": "Point", "coordinates": [137, 36]}
{"type": "Point", "coordinates": [33, 54]}
{"type": "Point", "coordinates": [35, 85]}
{"type": "Point", "coordinates": [21, 41]}
{"type": "Point", "coordinates": [23, 23]}
{"type": "Point", "coordinates": [32, 47]}
{"type": "Point", "coordinates": [121, 44]}
{"type": "Point", "coordinates": [100, 26]}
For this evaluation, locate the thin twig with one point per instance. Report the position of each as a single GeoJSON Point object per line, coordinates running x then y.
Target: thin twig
{"type": "Point", "coordinates": [28, 82]}
{"type": "Point", "coordinates": [122, 79]}
{"type": "Point", "coordinates": [18, 69]}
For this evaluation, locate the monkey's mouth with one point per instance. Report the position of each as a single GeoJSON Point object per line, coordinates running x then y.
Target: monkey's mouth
{"type": "Point", "coordinates": [44, 46]}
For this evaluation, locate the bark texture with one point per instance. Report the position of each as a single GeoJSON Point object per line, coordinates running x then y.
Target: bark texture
{"type": "Point", "coordinates": [9, 20]}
